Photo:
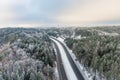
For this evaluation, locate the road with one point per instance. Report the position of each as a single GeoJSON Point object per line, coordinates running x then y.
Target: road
{"type": "Point", "coordinates": [69, 70]}
{"type": "Point", "coordinates": [61, 70]}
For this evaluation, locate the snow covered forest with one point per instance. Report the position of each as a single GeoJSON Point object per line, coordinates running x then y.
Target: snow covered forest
{"type": "Point", "coordinates": [25, 54]}
{"type": "Point", "coordinates": [29, 53]}
{"type": "Point", "coordinates": [97, 49]}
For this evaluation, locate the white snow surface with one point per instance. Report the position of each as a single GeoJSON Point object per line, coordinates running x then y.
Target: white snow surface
{"type": "Point", "coordinates": [56, 74]}
{"type": "Point", "coordinates": [100, 32]}
{"type": "Point", "coordinates": [68, 69]}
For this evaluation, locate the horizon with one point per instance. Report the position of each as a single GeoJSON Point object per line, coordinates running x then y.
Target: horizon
{"type": "Point", "coordinates": [63, 26]}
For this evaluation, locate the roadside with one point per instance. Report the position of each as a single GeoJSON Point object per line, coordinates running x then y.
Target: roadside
{"type": "Point", "coordinates": [71, 69]}
{"type": "Point", "coordinates": [85, 74]}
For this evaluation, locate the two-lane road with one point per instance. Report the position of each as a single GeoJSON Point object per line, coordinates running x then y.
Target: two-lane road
{"type": "Point", "coordinates": [70, 69]}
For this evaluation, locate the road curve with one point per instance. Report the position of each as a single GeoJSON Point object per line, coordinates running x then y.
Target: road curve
{"type": "Point", "coordinates": [71, 70]}
{"type": "Point", "coordinates": [61, 70]}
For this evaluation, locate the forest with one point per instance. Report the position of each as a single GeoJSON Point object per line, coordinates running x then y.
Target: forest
{"type": "Point", "coordinates": [28, 55]}
{"type": "Point", "coordinates": [98, 53]}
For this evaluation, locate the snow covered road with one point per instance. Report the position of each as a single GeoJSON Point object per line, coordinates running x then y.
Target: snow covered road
{"type": "Point", "coordinates": [70, 69]}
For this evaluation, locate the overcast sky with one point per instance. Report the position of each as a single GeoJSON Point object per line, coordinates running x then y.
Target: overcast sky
{"type": "Point", "coordinates": [58, 12]}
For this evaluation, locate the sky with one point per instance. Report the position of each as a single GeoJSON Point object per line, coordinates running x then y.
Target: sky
{"type": "Point", "coordinates": [36, 13]}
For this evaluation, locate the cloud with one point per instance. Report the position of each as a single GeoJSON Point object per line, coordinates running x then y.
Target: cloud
{"type": "Point", "coordinates": [48, 12]}
{"type": "Point", "coordinates": [92, 11]}
{"type": "Point", "coordinates": [6, 12]}
{"type": "Point", "coordinates": [42, 11]}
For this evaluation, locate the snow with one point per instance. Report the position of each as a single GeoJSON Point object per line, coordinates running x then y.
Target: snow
{"type": "Point", "coordinates": [83, 71]}
{"type": "Point", "coordinates": [28, 35]}
{"type": "Point", "coordinates": [107, 33]}
{"type": "Point", "coordinates": [56, 74]}
{"type": "Point", "coordinates": [60, 39]}
{"type": "Point", "coordinates": [68, 69]}
{"type": "Point", "coordinates": [78, 37]}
